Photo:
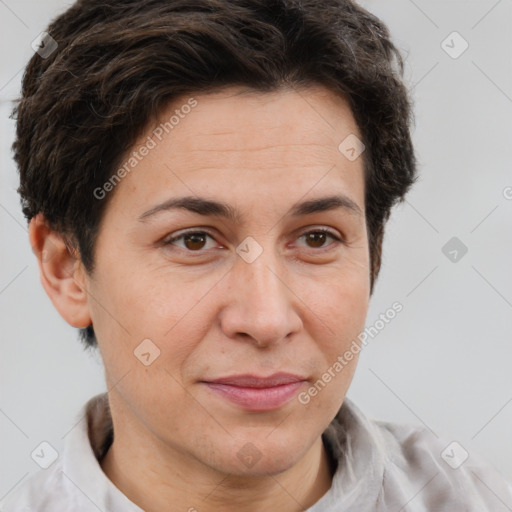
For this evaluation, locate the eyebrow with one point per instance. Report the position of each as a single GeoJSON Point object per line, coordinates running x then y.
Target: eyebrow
{"type": "Point", "coordinates": [209, 207]}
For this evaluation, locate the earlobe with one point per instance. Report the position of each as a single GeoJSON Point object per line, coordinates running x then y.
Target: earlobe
{"type": "Point", "coordinates": [61, 273]}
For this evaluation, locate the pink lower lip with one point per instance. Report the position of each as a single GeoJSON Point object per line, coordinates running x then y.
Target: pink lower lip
{"type": "Point", "coordinates": [257, 399]}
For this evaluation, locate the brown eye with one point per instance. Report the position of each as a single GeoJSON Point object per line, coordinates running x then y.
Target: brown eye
{"type": "Point", "coordinates": [193, 241]}
{"type": "Point", "coordinates": [316, 239]}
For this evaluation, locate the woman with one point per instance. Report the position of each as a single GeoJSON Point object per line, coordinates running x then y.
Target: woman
{"type": "Point", "coordinates": [207, 185]}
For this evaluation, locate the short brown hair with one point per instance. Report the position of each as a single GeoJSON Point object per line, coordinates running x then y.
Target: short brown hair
{"type": "Point", "coordinates": [119, 63]}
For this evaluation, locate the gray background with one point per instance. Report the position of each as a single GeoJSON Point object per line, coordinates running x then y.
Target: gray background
{"type": "Point", "coordinates": [444, 361]}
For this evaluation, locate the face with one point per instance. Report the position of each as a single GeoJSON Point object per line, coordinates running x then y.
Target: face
{"type": "Point", "coordinates": [216, 321]}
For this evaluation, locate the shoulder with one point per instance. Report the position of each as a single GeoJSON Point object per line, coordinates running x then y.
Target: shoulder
{"type": "Point", "coordinates": [42, 491]}
{"type": "Point", "coordinates": [75, 480]}
{"type": "Point", "coordinates": [438, 473]}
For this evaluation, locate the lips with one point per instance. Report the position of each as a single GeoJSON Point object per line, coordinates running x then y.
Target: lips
{"type": "Point", "coordinates": [252, 381]}
{"type": "Point", "coordinates": [257, 393]}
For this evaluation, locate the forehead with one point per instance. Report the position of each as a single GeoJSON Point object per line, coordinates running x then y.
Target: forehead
{"type": "Point", "coordinates": [238, 139]}
{"type": "Point", "coordinates": [236, 116]}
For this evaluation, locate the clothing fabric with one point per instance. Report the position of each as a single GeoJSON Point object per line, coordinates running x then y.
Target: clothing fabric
{"type": "Point", "coordinates": [379, 467]}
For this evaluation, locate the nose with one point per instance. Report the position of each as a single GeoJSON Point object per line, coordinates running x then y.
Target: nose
{"type": "Point", "coordinates": [259, 304]}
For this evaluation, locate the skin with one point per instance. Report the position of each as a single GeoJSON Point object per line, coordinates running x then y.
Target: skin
{"type": "Point", "coordinates": [295, 308]}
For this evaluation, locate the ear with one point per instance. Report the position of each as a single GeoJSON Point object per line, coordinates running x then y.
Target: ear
{"type": "Point", "coordinates": [61, 273]}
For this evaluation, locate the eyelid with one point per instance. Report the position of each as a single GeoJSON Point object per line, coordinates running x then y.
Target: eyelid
{"type": "Point", "coordinates": [179, 234]}
{"type": "Point", "coordinates": [322, 229]}
{"type": "Point", "coordinates": [339, 238]}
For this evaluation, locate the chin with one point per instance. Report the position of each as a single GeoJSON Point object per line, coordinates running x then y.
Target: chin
{"type": "Point", "coordinates": [260, 459]}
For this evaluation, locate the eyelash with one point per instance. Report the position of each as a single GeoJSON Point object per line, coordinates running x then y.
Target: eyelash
{"type": "Point", "coordinates": [169, 241]}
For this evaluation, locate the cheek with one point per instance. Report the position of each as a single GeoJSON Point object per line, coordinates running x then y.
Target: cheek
{"type": "Point", "coordinates": [146, 304]}
{"type": "Point", "coordinates": [344, 311]}
{"type": "Point", "coordinates": [173, 315]}
{"type": "Point", "coordinates": [342, 300]}
{"type": "Point", "coordinates": [345, 307]}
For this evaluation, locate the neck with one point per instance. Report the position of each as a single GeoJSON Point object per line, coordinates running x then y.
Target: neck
{"type": "Point", "coordinates": [191, 486]}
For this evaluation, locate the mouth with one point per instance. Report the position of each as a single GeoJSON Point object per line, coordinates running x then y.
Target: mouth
{"type": "Point", "coordinates": [256, 393]}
